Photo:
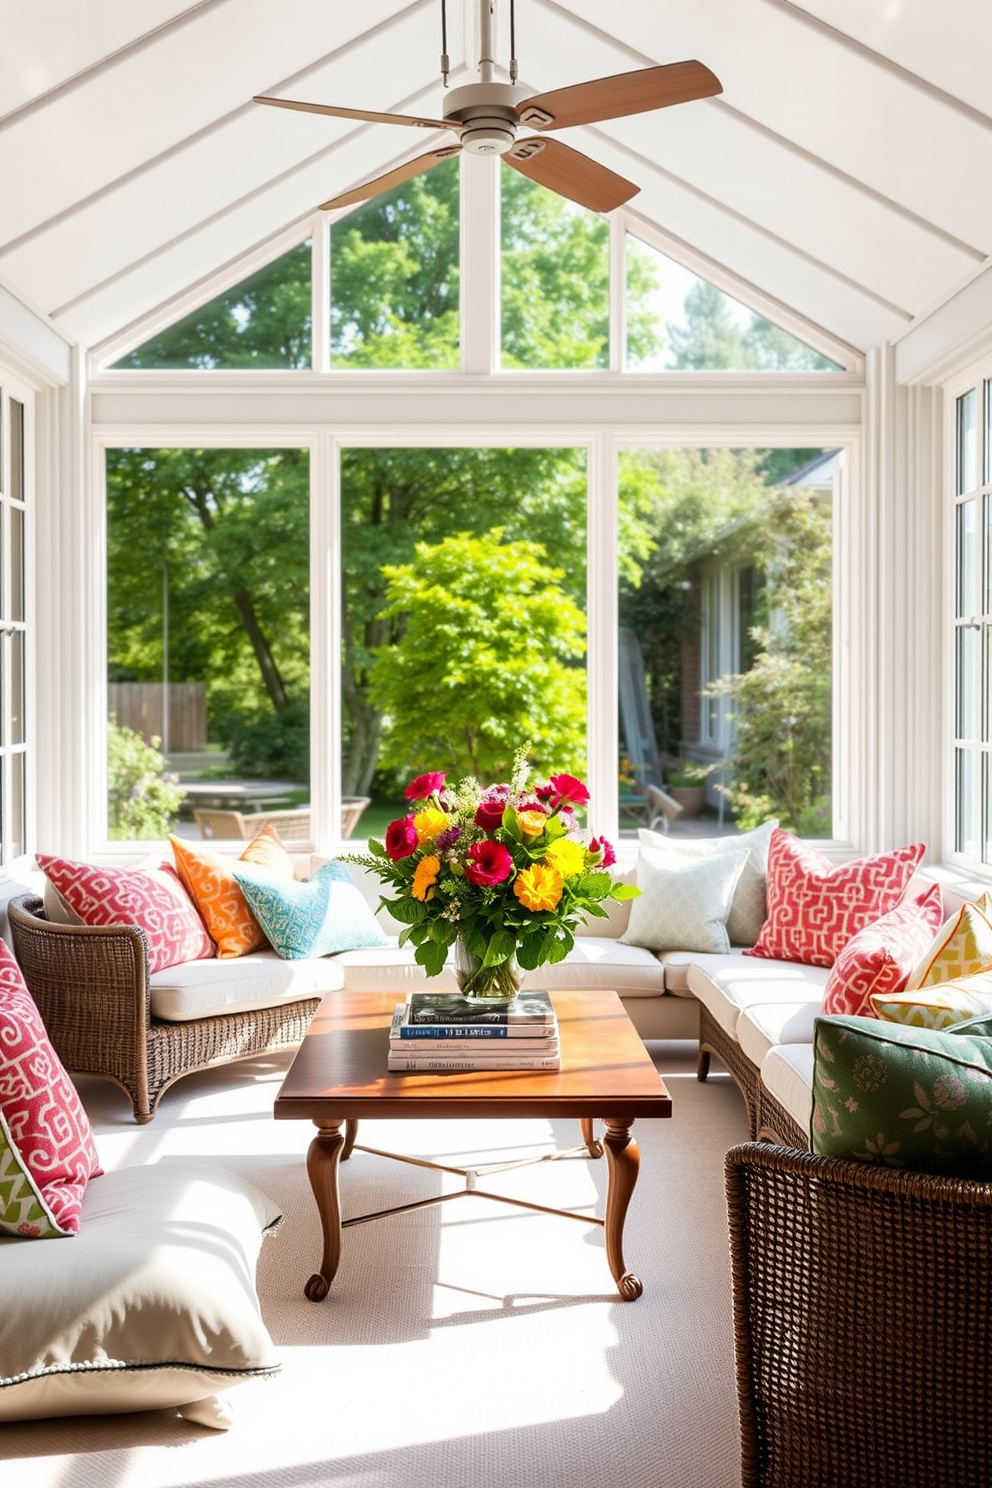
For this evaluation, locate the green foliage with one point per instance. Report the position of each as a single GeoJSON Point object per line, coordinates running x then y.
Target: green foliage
{"type": "Point", "coordinates": [394, 277]}
{"type": "Point", "coordinates": [712, 339]}
{"type": "Point", "coordinates": [267, 745]}
{"type": "Point", "coordinates": [555, 279]}
{"type": "Point", "coordinates": [781, 706]}
{"type": "Point", "coordinates": [485, 655]}
{"type": "Point", "coordinates": [143, 800]}
{"type": "Point", "coordinates": [229, 527]}
{"type": "Point", "coordinates": [262, 322]}
{"type": "Point", "coordinates": [685, 499]}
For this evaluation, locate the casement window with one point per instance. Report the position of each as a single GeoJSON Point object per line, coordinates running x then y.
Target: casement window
{"type": "Point", "coordinates": [15, 434]}
{"type": "Point", "coordinates": [972, 597]}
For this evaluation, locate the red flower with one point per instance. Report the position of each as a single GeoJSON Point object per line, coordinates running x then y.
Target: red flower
{"type": "Point", "coordinates": [489, 816]}
{"type": "Point", "coordinates": [424, 785]}
{"type": "Point", "coordinates": [401, 838]}
{"type": "Point", "coordinates": [600, 845]}
{"type": "Point", "coordinates": [568, 789]}
{"type": "Point", "coordinates": [489, 864]}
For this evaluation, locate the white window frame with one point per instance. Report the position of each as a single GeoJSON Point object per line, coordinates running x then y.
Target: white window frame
{"type": "Point", "coordinates": [328, 410]}
{"type": "Point", "coordinates": [14, 387]}
{"type": "Point", "coordinates": [977, 622]}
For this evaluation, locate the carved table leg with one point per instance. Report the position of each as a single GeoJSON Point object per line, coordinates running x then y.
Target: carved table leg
{"type": "Point", "coordinates": [623, 1160]}
{"type": "Point", "coordinates": [350, 1138]}
{"type": "Point", "coordinates": [323, 1157]}
{"type": "Point", "coordinates": [593, 1147]}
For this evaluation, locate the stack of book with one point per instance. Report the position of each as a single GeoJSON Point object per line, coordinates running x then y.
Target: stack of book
{"type": "Point", "coordinates": [443, 1031]}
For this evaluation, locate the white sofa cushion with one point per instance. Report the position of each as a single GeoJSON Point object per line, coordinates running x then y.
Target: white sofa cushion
{"type": "Point", "coordinates": [725, 985]}
{"type": "Point", "coordinates": [677, 963]}
{"type": "Point", "coordinates": [761, 1027]}
{"type": "Point", "coordinates": [592, 962]}
{"type": "Point", "coordinates": [209, 988]}
{"type": "Point", "coordinates": [787, 1075]}
{"type": "Point", "coordinates": [150, 1306]}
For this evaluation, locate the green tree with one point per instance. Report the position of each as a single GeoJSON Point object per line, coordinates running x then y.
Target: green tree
{"type": "Point", "coordinates": [262, 322]}
{"type": "Point", "coordinates": [394, 277]}
{"type": "Point", "coordinates": [486, 658]}
{"type": "Point", "coordinates": [226, 530]}
{"type": "Point", "coordinates": [143, 798]}
{"type": "Point", "coordinates": [686, 499]}
{"type": "Point", "coordinates": [781, 706]}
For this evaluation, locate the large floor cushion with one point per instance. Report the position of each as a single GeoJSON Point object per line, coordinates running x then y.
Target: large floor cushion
{"type": "Point", "coordinates": [151, 1306]}
{"type": "Point", "coordinates": [207, 989]}
{"type": "Point", "coordinates": [787, 1075]}
{"type": "Point", "coordinates": [725, 985]}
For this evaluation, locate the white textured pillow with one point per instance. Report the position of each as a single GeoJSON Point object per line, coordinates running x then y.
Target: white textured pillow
{"type": "Point", "coordinates": [749, 909]}
{"type": "Point", "coordinates": [684, 902]}
{"type": "Point", "coordinates": [150, 1306]}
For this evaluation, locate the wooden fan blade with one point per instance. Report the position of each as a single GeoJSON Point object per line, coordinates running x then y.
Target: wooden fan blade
{"type": "Point", "coordinates": [570, 173]}
{"type": "Point", "coordinates": [612, 97]}
{"type": "Point", "coordinates": [392, 178]}
{"type": "Point", "coordinates": [349, 113]}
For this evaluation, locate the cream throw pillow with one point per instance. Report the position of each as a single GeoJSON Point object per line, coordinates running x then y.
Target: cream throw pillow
{"type": "Point", "coordinates": [748, 910]}
{"type": "Point", "coordinates": [684, 902]}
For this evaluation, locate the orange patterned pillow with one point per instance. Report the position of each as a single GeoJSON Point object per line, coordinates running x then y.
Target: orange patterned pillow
{"type": "Point", "coordinates": [210, 882]}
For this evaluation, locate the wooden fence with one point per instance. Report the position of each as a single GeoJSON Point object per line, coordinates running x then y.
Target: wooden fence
{"type": "Point", "coordinates": [138, 706]}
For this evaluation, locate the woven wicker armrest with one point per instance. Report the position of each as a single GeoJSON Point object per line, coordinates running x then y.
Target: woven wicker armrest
{"type": "Point", "coordinates": [863, 1322]}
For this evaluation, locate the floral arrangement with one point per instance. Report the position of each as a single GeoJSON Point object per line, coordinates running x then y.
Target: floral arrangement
{"type": "Point", "coordinates": [502, 872]}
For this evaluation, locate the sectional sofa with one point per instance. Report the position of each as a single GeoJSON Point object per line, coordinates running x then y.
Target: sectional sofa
{"type": "Point", "coordinates": [755, 1014]}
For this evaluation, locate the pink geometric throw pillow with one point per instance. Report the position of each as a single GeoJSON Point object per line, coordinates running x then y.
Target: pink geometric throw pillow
{"type": "Point", "coordinates": [881, 956]}
{"type": "Point", "coordinates": [47, 1126]}
{"type": "Point", "coordinates": [815, 907]}
{"type": "Point", "coordinates": [152, 899]}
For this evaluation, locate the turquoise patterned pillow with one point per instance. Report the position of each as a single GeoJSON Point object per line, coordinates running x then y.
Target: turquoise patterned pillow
{"type": "Point", "coordinates": [323, 914]}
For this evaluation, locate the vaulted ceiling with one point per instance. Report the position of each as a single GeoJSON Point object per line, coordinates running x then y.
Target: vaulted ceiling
{"type": "Point", "coordinates": [844, 169]}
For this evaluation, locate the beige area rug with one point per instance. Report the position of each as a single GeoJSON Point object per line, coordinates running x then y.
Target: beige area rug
{"type": "Point", "coordinates": [468, 1345]}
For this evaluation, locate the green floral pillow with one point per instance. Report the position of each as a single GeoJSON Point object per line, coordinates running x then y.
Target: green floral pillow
{"type": "Point", "coordinates": [901, 1096]}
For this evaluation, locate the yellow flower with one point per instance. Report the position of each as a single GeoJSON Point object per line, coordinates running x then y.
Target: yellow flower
{"type": "Point", "coordinates": [539, 887]}
{"type": "Point", "coordinates": [424, 878]}
{"type": "Point", "coordinates": [429, 824]}
{"type": "Point", "coordinates": [567, 855]}
{"type": "Point", "coordinates": [531, 823]}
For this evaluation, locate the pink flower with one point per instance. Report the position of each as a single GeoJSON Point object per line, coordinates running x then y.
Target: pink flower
{"type": "Point", "coordinates": [489, 815]}
{"type": "Point", "coordinates": [600, 845]}
{"type": "Point", "coordinates": [489, 863]}
{"type": "Point", "coordinates": [424, 785]}
{"type": "Point", "coordinates": [569, 791]}
{"type": "Point", "coordinates": [401, 838]}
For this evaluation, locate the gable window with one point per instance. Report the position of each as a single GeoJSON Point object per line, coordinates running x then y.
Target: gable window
{"type": "Point", "coordinates": [677, 322]}
{"type": "Point", "coordinates": [263, 322]}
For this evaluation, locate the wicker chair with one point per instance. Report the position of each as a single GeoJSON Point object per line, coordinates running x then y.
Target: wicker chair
{"type": "Point", "coordinates": [863, 1322]}
{"type": "Point", "coordinates": [91, 988]}
{"type": "Point", "coordinates": [293, 824]}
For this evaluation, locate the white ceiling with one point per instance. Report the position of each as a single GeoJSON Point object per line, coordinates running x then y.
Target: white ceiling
{"type": "Point", "coordinates": [843, 171]}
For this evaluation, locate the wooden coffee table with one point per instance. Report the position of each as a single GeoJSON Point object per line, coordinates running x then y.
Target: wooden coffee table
{"type": "Point", "coordinates": [339, 1075]}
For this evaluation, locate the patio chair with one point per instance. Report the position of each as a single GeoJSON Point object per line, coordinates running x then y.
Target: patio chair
{"type": "Point", "coordinates": [861, 1320]}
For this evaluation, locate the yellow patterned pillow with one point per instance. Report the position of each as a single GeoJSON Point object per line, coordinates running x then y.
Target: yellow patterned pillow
{"type": "Point", "coordinates": [939, 1005]}
{"type": "Point", "coordinates": [963, 947]}
{"type": "Point", "coordinates": [209, 879]}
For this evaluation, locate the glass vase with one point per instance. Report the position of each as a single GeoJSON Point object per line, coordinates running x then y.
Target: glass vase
{"type": "Point", "coordinates": [488, 984]}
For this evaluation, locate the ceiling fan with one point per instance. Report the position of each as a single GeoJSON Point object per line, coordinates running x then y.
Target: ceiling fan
{"type": "Point", "coordinates": [487, 116]}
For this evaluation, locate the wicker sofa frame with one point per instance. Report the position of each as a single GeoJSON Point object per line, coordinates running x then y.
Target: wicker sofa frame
{"type": "Point", "coordinates": [862, 1298]}
{"type": "Point", "coordinates": [715, 1040]}
{"type": "Point", "coordinates": [91, 987]}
